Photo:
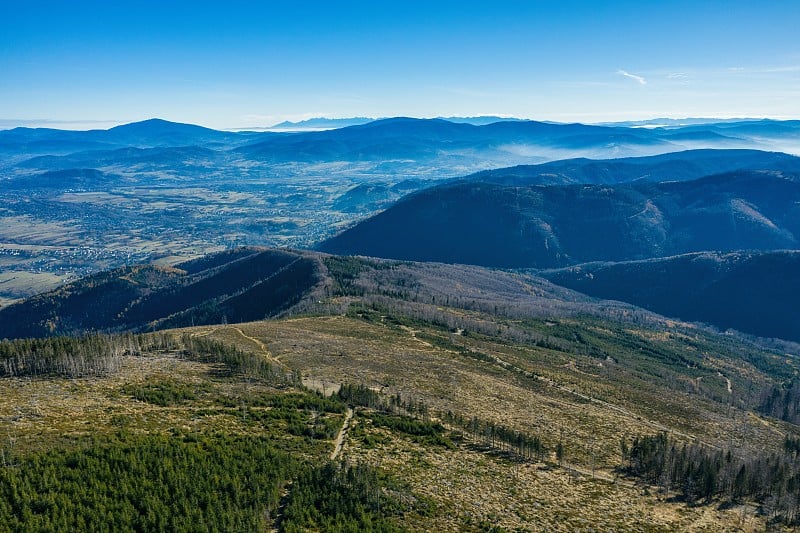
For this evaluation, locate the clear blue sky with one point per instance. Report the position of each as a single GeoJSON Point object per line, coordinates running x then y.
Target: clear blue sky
{"type": "Point", "coordinates": [243, 64]}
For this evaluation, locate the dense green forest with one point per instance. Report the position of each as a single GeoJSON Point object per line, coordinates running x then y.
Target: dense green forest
{"type": "Point", "coordinates": [147, 483]}
{"type": "Point", "coordinates": [187, 483]}
{"type": "Point", "coordinates": [339, 498]}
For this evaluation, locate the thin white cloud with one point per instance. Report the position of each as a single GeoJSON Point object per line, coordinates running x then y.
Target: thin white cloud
{"type": "Point", "coordinates": [791, 68]}
{"type": "Point", "coordinates": [627, 74]}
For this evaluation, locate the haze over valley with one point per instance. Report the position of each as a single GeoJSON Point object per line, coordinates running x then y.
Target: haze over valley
{"type": "Point", "coordinates": [400, 267]}
{"type": "Point", "coordinates": [76, 202]}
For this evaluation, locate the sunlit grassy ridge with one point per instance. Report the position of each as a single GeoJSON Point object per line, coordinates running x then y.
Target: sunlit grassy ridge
{"type": "Point", "coordinates": [488, 400]}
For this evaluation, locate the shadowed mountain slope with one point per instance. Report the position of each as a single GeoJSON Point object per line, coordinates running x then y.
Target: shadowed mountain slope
{"type": "Point", "coordinates": [552, 226]}
{"type": "Point", "coordinates": [245, 284]}
{"type": "Point", "coordinates": [755, 293]}
{"type": "Point", "coordinates": [248, 284]}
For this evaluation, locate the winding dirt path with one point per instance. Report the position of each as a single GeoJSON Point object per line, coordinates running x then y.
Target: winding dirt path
{"type": "Point", "coordinates": [413, 333]}
{"type": "Point", "coordinates": [340, 438]}
{"type": "Point", "coordinates": [257, 342]}
{"type": "Point", "coordinates": [727, 381]}
{"type": "Point", "coordinates": [260, 344]}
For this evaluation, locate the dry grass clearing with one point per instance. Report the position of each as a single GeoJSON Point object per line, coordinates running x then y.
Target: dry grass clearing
{"type": "Point", "coordinates": [583, 406]}
{"type": "Point", "coordinates": [476, 491]}
{"type": "Point", "coordinates": [42, 412]}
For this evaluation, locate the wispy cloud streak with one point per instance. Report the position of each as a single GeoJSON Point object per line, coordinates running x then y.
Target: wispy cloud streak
{"type": "Point", "coordinates": [634, 77]}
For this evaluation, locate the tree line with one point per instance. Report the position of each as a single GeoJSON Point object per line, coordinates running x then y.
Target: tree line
{"type": "Point", "coordinates": [485, 433]}
{"type": "Point", "coordinates": [782, 401]}
{"type": "Point", "coordinates": [89, 355]}
{"type": "Point", "coordinates": [700, 474]}
{"type": "Point", "coordinates": [102, 354]}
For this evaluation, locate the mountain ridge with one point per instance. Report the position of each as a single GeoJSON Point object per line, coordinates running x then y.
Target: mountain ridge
{"type": "Point", "coordinates": [671, 166]}
{"type": "Point", "coordinates": [545, 226]}
{"type": "Point", "coordinates": [238, 285]}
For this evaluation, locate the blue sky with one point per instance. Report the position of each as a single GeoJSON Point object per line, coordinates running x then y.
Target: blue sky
{"type": "Point", "coordinates": [239, 64]}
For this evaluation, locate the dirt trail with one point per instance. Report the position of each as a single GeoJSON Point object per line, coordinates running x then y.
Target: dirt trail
{"type": "Point", "coordinates": [278, 517]}
{"type": "Point", "coordinates": [261, 345]}
{"type": "Point", "coordinates": [257, 342]}
{"type": "Point", "coordinates": [337, 449]}
{"type": "Point", "coordinates": [413, 333]}
{"type": "Point", "coordinates": [596, 401]}
{"type": "Point", "coordinates": [727, 381]}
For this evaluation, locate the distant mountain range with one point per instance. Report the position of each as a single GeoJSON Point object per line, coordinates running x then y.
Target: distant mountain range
{"type": "Point", "coordinates": [559, 225]}
{"type": "Point", "coordinates": [747, 291]}
{"type": "Point", "coordinates": [433, 139]}
{"type": "Point", "coordinates": [451, 142]}
{"type": "Point", "coordinates": [674, 122]}
{"type": "Point", "coordinates": [152, 132]}
{"type": "Point", "coordinates": [321, 123]}
{"type": "Point", "coordinates": [481, 120]}
{"type": "Point", "coordinates": [425, 139]}
{"type": "Point", "coordinates": [674, 166]}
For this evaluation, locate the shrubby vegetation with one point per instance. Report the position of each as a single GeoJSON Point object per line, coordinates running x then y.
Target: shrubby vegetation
{"type": "Point", "coordinates": [248, 364]}
{"type": "Point", "coordinates": [163, 392]}
{"type": "Point", "coordinates": [413, 417]}
{"type": "Point", "coordinates": [500, 437]}
{"type": "Point", "coordinates": [699, 473]}
{"type": "Point", "coordinates": [97, 354]}
{"type": "Point", "coordinates": [423, 431]}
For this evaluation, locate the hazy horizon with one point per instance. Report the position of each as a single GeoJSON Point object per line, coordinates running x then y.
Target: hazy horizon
{"type": "Point", "coordinates": [78, 125]}
{"type": "Point", "coordinates": [242, 66]}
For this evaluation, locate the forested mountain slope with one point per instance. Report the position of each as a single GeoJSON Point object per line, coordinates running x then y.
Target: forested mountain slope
{"type": "Point", "coordinates": [551, 226]}
{"type": "Point", "coordinates": [752, 292]}
{"type": "Point", "coordinates": [244, 284]}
